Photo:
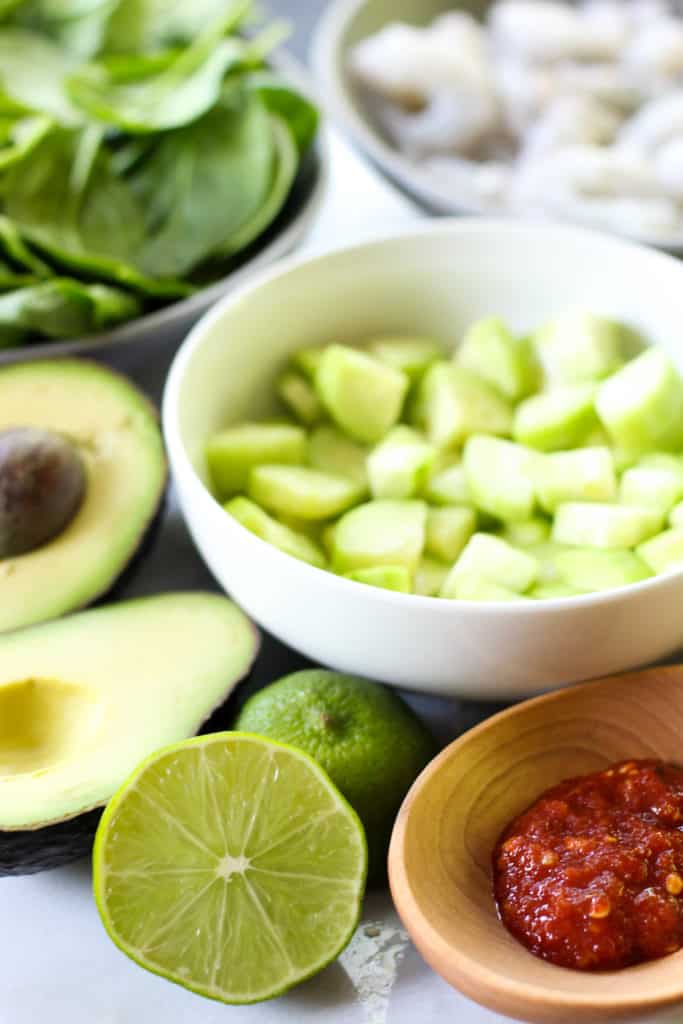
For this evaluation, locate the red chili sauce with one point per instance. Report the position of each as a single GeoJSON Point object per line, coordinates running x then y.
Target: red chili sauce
{"type": "Point", "coordinates": [591, 875]}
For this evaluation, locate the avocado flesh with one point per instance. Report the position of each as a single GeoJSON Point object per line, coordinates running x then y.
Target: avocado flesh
{"type": "Point", "coordinates": [115, 431]}
{"type": "Point", "coordinates": [83, 700]}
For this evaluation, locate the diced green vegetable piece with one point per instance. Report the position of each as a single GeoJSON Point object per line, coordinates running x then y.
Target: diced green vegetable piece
{"type": "Point", "coordinates": [596, 438]}
{"type": "Point", "coordinates": [232, 453]}
{"type": "Point", "coordinates": [642, 405]}
{"type": "Point", "coordinates": [448, 531]}
{"type": "Point", "coordinates": [307, 360]}
{"type": "Point", "coordinates": [600, 570]}
{"type": "Point", "coordinates": [327, 538]}
{"type": "Point", "coordinates": [596, 525]}
{"type": "Point", "coordinates": [507, 363]}
{"type": "Point", "coordinates": [300, 398]}
{"type": "Point", "coordinates": [492, 559]}
{"type": "Point", "coordinates": [411, 356]}
{"type": "Point", "coordinates": [311, 527]}
{"type": "Point", "coordinates": [330, 451]}
{"type": "Point", "coordinates": [556, 420]}
{"type": "Point", "coordinates": [586, 474]}
{"type": "Point", "coordinates": [475, 588]}
{"type": "Point", "coordinates": [499, 477]}
{"type": "Point", "coordinates": [380, 533]}
{"type": "Point", "coordinates": [449, 487]}
{"type": "Point", "coordinates": [651, 487]}
{"type": "Point", "coordinates": [546, 554]}
{"type": "Point", "coordinates": [526, 532]}
{"type": "Point", "coordinates": [676, 515]}
{"type": "Point", "coordinates": [302, 492]}
{"type": "Point", "coordinates": [390, 577]}
{"type": "Point", "coordinates": [663, 553]}
{"type": "Point", "coordinates": [452, 403]}
{"type": "Point", "coordinates": [400, 465]}
{"type": "Point", "coordinates": [663, 460]}
{"type": "Point", "coordinates": [548, 591]}
{"type": "Point", "coordinates": [362, 395]}
{"type": "Point", "coordinates": [580, 347]}
{"type": "Point", "coordinates": [430, 576]}
{"type": "Point", "coordinates": [280, 536]}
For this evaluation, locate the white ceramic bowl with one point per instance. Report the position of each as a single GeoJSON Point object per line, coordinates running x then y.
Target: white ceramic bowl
{"type": "Point", "coordinates": [434, 279]}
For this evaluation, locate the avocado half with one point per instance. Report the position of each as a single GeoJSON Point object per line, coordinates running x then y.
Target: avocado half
{"type": "Point", "coordinates": [115, 432]}
{"type": "Point", "coordinates": [84, 699]}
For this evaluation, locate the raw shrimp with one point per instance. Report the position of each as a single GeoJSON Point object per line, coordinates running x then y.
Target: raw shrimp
{"type": "Point", "coordinates": [658, 220]}
{"type": "Point", "coordinates": [669, 168]}
{"type": "Point", "coordinates": [571, 108]}
{"type": "Point", "coordinates": [544, 31]}
{"type": "Point", "coordinates": [524, 90]}
{"type": "Point", "coordinates": [440, 79]}
{"type": "Point", "coordinates": [568, 120]}
{"type": "Point", "coordinates": [409, 65]}
{"type": "Point", "coordinates": [656, 53]}
{"type": "Point", "coordinates": [608, 83]}
{"type": "Point", "coordinates": [608, 28]}
{"type": "Point", "coordinates": [450, 122]}
{"type": "Point", "coordinates": [644, 12]}
{"type": "Point", "coordinates": [479, 184]}
{"type": "Point", "coordinates": [655, 124]}
{"type": "Point", "coordinates": [591, 171]}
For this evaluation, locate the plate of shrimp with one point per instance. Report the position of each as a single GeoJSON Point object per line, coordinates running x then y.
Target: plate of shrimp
{"type": "Point", "coordinates": [534, 108]}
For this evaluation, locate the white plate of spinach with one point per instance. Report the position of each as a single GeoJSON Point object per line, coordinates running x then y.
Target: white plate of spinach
{"type": "Point", "coordinates": [152, 152]}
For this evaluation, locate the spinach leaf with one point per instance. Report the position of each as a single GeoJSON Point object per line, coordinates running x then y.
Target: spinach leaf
{"type": "Point", "coordinates": [33, 72]}
{"type": "Point", "coordinates": [79, 26]}
{"type": "Point", "coordinates": [281, 99]}
{"type": "Point", "coordinates": [7, 7]}
{"type": "Point", "coordinates": [94, 228]}
{"type": "Point", "coordinates": [201, 184]}
{"type": "Point", "coordinates": [286, 165]}
{"type": "Point", "coordinates": [147, 25]}
{"type": "Point", "coordinates": [176, 96]}
{"type": "Point", "coordinates": [18, 136]}
{"type": "Point", "coordinates": [182, 90]}
{"type": "Point", "coordinates": [61, 308]}
{"type": "Point", "coordinates": [17, 254]}
{"type": "Point", "coordinates": [143, 146]}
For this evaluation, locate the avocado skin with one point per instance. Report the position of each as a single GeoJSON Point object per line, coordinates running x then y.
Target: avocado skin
{"type": "Point", "coordinates": [27, 852]}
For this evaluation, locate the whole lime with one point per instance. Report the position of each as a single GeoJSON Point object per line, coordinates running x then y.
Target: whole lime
{"type": "Point", "coordinates": [367, 739]}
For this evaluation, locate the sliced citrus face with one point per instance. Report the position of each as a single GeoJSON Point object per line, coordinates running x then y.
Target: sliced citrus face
{"type": "Point", "coordinates": [230, 865]}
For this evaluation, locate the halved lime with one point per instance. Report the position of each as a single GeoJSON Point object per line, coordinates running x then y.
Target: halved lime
{"type": "Point", "coordinates": [231, 865]}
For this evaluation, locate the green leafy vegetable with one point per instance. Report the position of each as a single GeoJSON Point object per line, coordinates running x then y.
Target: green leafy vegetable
{"type": "Point", "coordinates": [62, 308]}
{"type": "Point", "coordinates": [285, 166]}
{"type": "Point", "coordinates": [19, 135]}
{"type": "Point", "coordinates": [292, 108]}
{"type": "Point", "coordinates": [181, 91]}
{"type": "Point", "coordinates": [33, 72]}
{"type": "Point", "coordinates": [79, 26]}
{"type": "Point", "coordinates": [144, 145]}
{"type": "Point", "coordinates": [141, 25]}
{"type": "Point", "coordinates": [202, 184]}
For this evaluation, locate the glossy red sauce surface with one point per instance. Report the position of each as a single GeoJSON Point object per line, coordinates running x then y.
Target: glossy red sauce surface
{"type": "Point", "coordinates": [591, 875]}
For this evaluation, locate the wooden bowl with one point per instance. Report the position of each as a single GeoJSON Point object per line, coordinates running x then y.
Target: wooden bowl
{"type": "Point", "coordinates": [440, 855]}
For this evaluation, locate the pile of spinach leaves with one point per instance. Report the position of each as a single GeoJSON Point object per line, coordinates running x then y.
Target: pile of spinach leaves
{"type": "Point", "coordinates": [143, 145]}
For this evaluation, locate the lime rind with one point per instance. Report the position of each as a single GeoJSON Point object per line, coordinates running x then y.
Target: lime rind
{"type": "Point", "coordinates": [349, 891]}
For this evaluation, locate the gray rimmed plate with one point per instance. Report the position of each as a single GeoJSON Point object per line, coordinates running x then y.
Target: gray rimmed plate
{"type": "Point", "coordinates": [169, 324]}
{"type": "Point", "coordinates": [344, 24]}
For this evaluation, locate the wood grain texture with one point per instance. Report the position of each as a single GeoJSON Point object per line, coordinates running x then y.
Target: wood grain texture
{"type": "Point", "coordinates": [440, 855]}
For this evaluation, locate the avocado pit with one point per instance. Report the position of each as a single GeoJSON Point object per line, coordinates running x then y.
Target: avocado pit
{"type": "Point", "coordinates": [42, 485]}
